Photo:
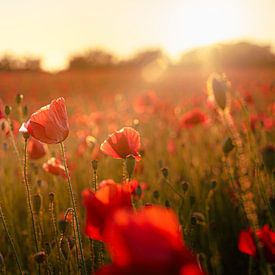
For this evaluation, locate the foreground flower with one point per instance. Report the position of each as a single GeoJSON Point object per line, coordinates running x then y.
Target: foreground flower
{"type": "Point", "coordinates": [50, 123]}
{"type": "Point", "coordinates": [36, 149]}
{"type": "Point", "coordinates": [142, 243]}
{"type": "Point", "coordinates": [102, 204]}
{"type": "Point", "coordinates": [122, 143]}
{"type": "Point", "coordinates": [266, 237]}
{"type": "Point", "coordinates": [55, 167]}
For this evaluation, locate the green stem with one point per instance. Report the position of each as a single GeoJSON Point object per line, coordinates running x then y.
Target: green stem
{"type": "Point", "coordinates": [51, 209]}
{"type": "Point", "coordinates": [10, 239]}
{"type": "Point", "coordinates": [28, 194]}
{"type": "Point", "coordinates": [74, 207]}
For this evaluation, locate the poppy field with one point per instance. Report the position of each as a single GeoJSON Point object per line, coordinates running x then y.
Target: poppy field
{"type": "Point", "coordinates": [104, 172]}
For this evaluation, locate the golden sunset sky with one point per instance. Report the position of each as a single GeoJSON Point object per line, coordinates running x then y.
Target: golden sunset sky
{"type": "Point", "coordinates": [54, 29]}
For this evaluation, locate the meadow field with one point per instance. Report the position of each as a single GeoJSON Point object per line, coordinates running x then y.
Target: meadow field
{"type": "Point", "coordinates": [185, 184]}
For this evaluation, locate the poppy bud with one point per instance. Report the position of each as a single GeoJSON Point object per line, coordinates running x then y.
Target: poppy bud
{"type": "Point", "coordinates": [19, 98]}
{"type": "Point", "coordinates": [130, 165]}
{"type": "Point", "coordinates": [167, 204]}
{"type": "Point", "coordinates": [228, 146]}
{"type": "Point", "coordinates": [184, 186]}
{"type": "Point", "coordinates": [40, 257]}
{"type": "Point", "coordinates": [51, 197]}
{"type": "Point", "coordinates": [268, 154]}
{"type": "Point", "coordinates": [25, 110]}
{"type": "Point", "coordinates": [48, 248]}
{"type": "Point", "coordinates": [165, 172]}
{"type": "Point", "coordinates": [64, 246]}
{"type": "Point", "coordinates": [63, 226]}
{"type": "Point", "coordinates": [94, 164]}
{"type": "Point", "coordinates": [3, 126]}
{"type": "Point", "coordinates": [156, 194]}
{"type": "Point", "coordinates": [192, 200]}
{"type": "Point", "coordinates": [8, 110]}
{"type": "Point", "coordinates": [71, 242]}
{"type": "Point", "coordinates": [91, 141]}
{"type": "Point", "coordinates": [2, 262]}
{"type": "Point", "coordinates": [218, 87]}
{"type": "Point", "coordinates": [199, 217]}
{"type": "Point", "coordinates": [24, 131]}
{"type": "Point", "coordinates": [36, 200]}
{"type": "Point", "coordinates": [213, 184]}
{"type": "Point", "coordinates": [138, 191]}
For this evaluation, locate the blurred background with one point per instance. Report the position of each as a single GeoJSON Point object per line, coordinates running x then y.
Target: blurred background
{"type": "Point", "coordinates": [87, 34]}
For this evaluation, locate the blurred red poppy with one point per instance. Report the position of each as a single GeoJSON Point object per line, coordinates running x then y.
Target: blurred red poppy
{"type": "Point", "coordinates": [266, 237]}
{"type": "Point", "coordinates": [122, 143]}
{"type": "Point", "coordinates": [192, 118]}
{"type": "Point", "coordinates": [36, 149]}
{"type": "Point", "coordinates": [50, 123]}
{"type": "Point", "coordinates": [141, 243]}
{"type": "Point", "coordinates": [55, 167]}
{"type": "Point", "coordinates": [102, 204]}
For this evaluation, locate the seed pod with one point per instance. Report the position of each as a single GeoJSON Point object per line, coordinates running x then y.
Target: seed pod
{"type": "Point", "coordinates": [2, 262]}
{"type": "Point", "coordinates": [167, 204]}
{"type": "Point", "coordinates": [36, 200]}
{"type": "Point", "coordinates": [228, 146]}
{"type": "Point", "coordinates": [268, 154]}
{"type": "Point", "coordinates": [25, 110]}
{"type": "Point", "coordinates": [63, 226]}
{"type": "Point", "coordinates": [130, 165]}
{"type": "Point", "coordinates": [218, 87]}
{"type": "Point", "coordinates": [184, 186]}
{"type": "Point", "coordinates": [156, 194]}
{"type": "Point", "coordinates": [94, 164]}
{"type": "Point", "coordinates": [40, 257]}
{"type": "Point", "coordinates": [19, 98]}
{"type": "Point", "coordinates": [8, 110]}
{"type": "Point", "coordinates": [51, 197]}
{"type": "Point", "coordinates": [48, 248]}
{"type": "Point", "coordinates": [165, 172]}
{"type": "Point", "coordinates": [64, 246]}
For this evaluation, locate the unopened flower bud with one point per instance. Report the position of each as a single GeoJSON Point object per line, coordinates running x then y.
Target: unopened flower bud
{"type": "Point", "coordinates": [24, 131]}
{"type": "Point", "coordinates": [63, 226]}
{"type": "Point", "coordinates": [228, 146]}
{"type": "Point", "coordinates": [25, 111]}
{"type": "Point", "coordinates": [218, 87]}
{"type": "Point", "coordinates": [64, 246]}
{"type": "Point", "coordinates": [165, 172]}
{"type": "Point", "coordinates": [19, 98]}
{"type": "Point", "coordinates": [8, 110]}
{"type": "Point", "coordinates": [36, 200]}
{"type": "Point", "coordinates": [94, 164]}
{"type": "Point", "coordinates": [156, 194]}
{"type": "Point", "coordinates": [184, 186]}
{"type": "Point", "coordinates": [51, 197]}
{"type": "Point", "coordinates": [40, 257]}
{"type": "Point", "coordinates": [268, 154]}
{"type": "Point", "coordinates": [2, 262]}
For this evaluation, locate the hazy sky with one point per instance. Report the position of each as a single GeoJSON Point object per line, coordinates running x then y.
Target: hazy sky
{"type": "Point", "coordinates": [53, 29]}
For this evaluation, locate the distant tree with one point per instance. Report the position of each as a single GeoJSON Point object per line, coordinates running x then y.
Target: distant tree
{"type": "Point", "coordinates": [12, 63]}
{"type": "Point", "coordinates": [239, 54]}
{"type": "Point", "coordinates": [145, 57]}
{"type": "Point", "coordinates": [92, 59]}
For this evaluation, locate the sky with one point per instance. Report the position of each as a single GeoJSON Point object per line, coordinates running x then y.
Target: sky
{"type": "Point", "coordinates": [56, 29]}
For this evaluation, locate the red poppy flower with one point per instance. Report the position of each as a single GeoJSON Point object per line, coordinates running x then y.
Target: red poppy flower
{"type": "Point", "coordinates": [50, 123]}
{"type": "Point", "coordinates": [246, 243]}
{"type": "Point", "coordinates": [122, 143]}
{"type": "Point", "coordinates": [193, 118]}
{"type": "Point", "coordinates": [102, 204]}
{"type": "Point", "coordinates": [266, 237]}
{"type": "Point", "coordinates": [36, 149]}
{"type": "Point", "coordinates": [141, 243]}
{"type": "Point", "coordinates": [55, 167]}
